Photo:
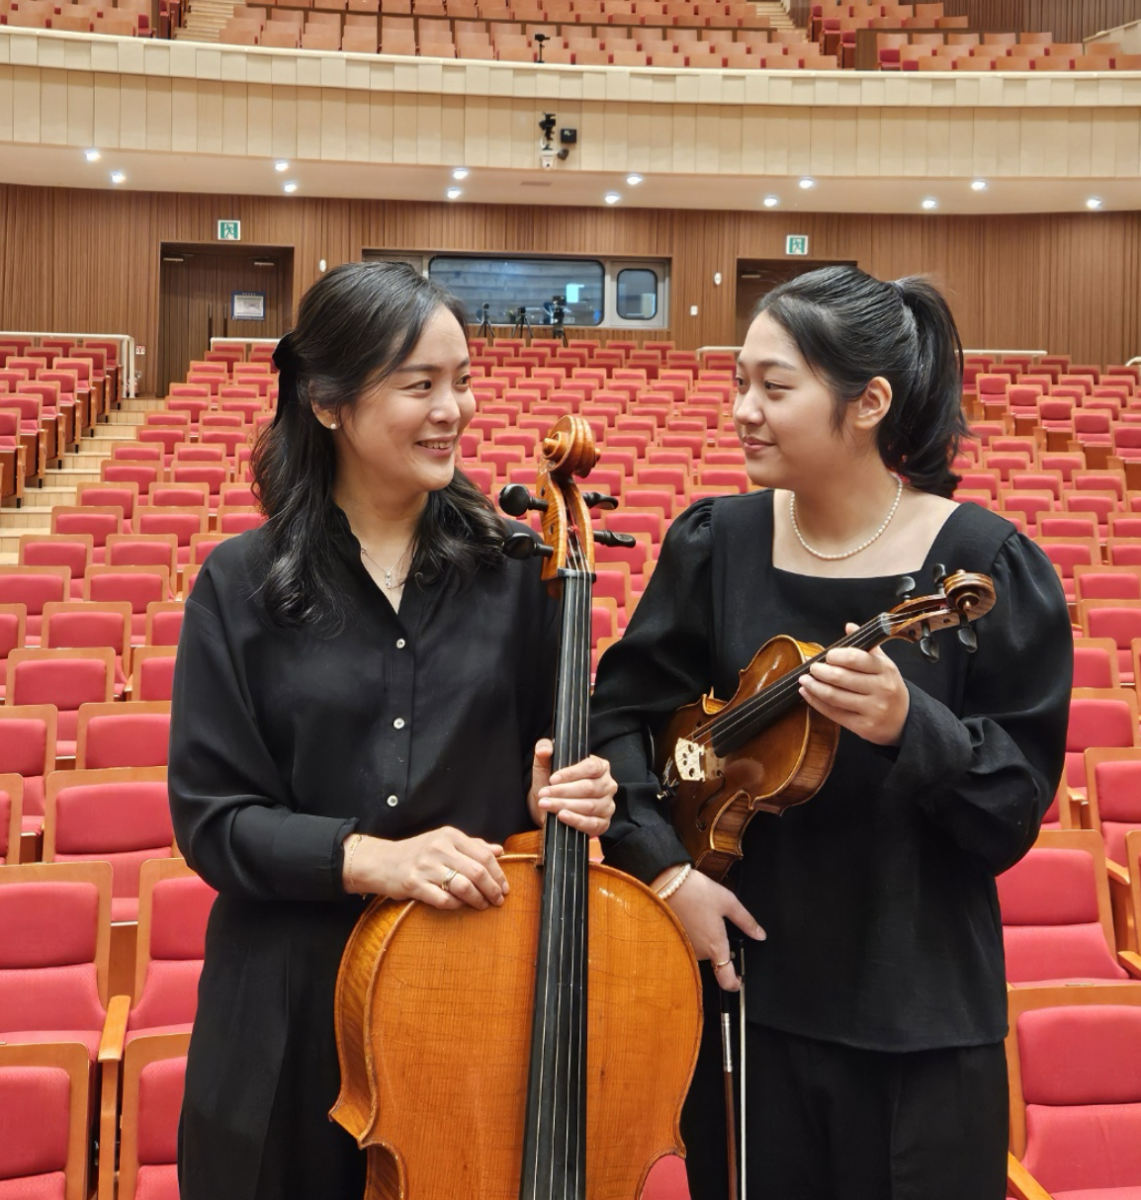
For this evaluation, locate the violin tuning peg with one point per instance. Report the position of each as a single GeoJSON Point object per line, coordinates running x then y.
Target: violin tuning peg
{"type": "Point", "coordinates": [905, 588]}
{"type": "Point", "coordinates": [967, 635]}
{"type": "Point", "coordinates": [598, 500]}
{"type": "Point", "coordinates": [515, 500]}
{"type": "Point", "coordinates": [927, 644]}
{"type": "Point", "coordinates": [939, 573]}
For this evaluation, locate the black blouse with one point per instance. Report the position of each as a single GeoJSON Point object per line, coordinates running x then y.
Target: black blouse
{"type": "Point", "coordinates": [878, 894]}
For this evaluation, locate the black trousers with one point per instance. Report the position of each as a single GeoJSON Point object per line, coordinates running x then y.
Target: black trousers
{"type": "Point", "coordinates": [830, 1122]}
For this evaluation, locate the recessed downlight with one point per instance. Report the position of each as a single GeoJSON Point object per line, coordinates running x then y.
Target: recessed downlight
{"type": "Point", "coordinates": [282, 164]}
{"type": "Point", "coordinates": [92, 155]}
{"type": "Point", "coordinates": [454, 193]}
{"type": "Point", "coordinates": [979, 185]}
{"type": "Point", "coordinates": [460, 173]}
{"type": "Point", "coordinates": [929, 203]}
{"type": "Point", "coordinates": [771, 201]}
{"type": "Point", "coordinates": [118, 177]}
{"type": "Point", "coordinates": [807, 182]}
{"type": "Point", "coordinates": [612, 197]}
{"type": "Point", "coordinates": [1094, 202]}
{"type": "Point", "coordinates": [633, 179]}
{"type": "Point", "coordinates": [290, 186]}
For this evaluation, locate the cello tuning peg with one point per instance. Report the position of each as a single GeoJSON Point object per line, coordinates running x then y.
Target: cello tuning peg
{"type": "Point", "coordinates": [515, 500]}
{"type": "Point", "coordinates": [927, 645]}
{"type": "Point", "coordinates": [598, 500]}
{"type": "Point", "coordinates": [607, 537]}
{"type": "Point", "coordinates": [967, 635]}
{"type": "Point", "coordinates": [939, 573]}
{"type": "Point", "coordinates": [523, 545]}
{"type": "Point", "coordinates": [905, 588]}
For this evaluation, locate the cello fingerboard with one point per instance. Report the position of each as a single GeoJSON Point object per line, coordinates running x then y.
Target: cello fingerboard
{"type": "Point", "coordinates": [554, 1142]}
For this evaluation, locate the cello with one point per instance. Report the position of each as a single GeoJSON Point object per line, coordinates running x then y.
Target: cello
{"type": "Point", "coordinates": [540, 1050]}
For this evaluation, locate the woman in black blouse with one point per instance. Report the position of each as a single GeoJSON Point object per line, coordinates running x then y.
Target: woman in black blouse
{"type": "Point", "coordinates": [362, 694]}
{"type": "Point", "coordinates": [875, 993]}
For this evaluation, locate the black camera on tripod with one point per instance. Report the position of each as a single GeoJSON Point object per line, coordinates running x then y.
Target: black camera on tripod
{"type": "Point", "coordinates": [558, 311]}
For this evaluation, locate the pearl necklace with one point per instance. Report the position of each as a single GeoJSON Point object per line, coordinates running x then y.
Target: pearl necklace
{"type": "Point", "coordinates": [863, 545]}
{"type": "Point", "coordinates": [388, 572]}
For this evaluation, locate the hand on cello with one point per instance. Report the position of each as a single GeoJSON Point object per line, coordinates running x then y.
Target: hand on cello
{"type": "Point", "coordinates": [703, 907]}
{"type": "Point", "coordinates": [860, 690]}
{"type": "Point", "coordinates": [581, 795]}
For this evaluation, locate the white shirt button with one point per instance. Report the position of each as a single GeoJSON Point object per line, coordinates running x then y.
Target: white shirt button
{"type": "Point", "coordinates": [398, 723]}
{"type": "Point", "coordinates": [392, 801]}
{"type": "Point", "coordinates": [400, 643]}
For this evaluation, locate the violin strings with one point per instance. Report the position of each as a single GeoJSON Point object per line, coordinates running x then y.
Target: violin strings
{"type": "Point", "coordinates": [781, 692]}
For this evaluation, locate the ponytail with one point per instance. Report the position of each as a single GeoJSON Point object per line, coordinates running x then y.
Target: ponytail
{"type": "Point", "coordinates": [850, 327]}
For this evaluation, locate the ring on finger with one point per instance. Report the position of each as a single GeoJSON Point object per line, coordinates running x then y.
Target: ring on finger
{"type": "Point", "coordinates": [447, 883]}
{"type": "Point", "coordinates": [718, 965]}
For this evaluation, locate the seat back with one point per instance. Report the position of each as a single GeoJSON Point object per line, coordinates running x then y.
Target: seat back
{"type": "Point", "coordinates": [120, 815]}
{"type": "Point", "coordinates": [174, 907]}
{"type": "Point", "coordinates": [154, 1070]}
{"type": "Point", "coordinates": [55, 937]}
{"type": "Point", "coordinates": [122, 735]}
{"type": "Point", "coordinates": [164, 622]}
{"type": "Point", "coordinates": [27, 749]}
{"type": "Point", "coordinates": [153, 677]}
{"type": "Point", "coordinates": [11, 813]}
{"type": "Point", "coordinates": [1076, 1087]}
{"type": "Point", "coordinates": [1114, 779]}
{"type": "Point", "coordinates": [1098, 717]}
{"type": "Point", "coordinates": [44, 1105]}
{"type": "Point", "coordinates": [65, 678]}
{"type": "Point", "coordinates": [1056, 917]}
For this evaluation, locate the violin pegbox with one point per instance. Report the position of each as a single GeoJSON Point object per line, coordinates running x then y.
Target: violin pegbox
{"type": "Point", "coordinates": [963, 597]}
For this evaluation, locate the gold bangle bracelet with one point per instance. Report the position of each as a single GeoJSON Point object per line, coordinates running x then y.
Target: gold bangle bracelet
{"type": "Point", "coordinates": [356, 840]}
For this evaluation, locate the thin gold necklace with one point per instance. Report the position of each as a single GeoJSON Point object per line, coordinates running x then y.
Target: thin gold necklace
{"type": "Point", "coordinates": [863, 545]}
{"type": "Point", "coordinates": [388, 572]}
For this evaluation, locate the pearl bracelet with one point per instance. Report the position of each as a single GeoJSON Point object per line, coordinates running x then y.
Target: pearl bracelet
{"type": "Point", "coordinates": [668, 889]}
{"type": "Point", "coordinates": [356, 839]}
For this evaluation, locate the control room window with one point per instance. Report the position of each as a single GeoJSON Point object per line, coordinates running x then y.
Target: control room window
{"type": "Point", "coordinates": [637, 294]}
{"type": "Point", "coordinates": [508, 284]}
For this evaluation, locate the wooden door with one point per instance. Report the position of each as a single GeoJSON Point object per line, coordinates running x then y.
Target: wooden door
{"type": "Point", "coordinates": [756, 277]}
{"type": "Point", "coordinates": [197, 287]}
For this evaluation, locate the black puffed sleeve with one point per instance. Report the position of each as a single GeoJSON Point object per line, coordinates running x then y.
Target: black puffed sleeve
{"type": "Point", "coordinates": [661, 663]}
{"type": "Point", "coordinates": [988, 776]}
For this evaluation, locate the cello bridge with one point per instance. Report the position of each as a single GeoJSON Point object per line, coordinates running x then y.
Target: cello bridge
{"type": "Point", "coordinates": [690, 759]}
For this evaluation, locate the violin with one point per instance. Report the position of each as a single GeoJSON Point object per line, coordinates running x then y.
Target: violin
{"type": "Point", "coordinates": [540, 1050]}
{"type": "Point", "coordinates": [765, 750]}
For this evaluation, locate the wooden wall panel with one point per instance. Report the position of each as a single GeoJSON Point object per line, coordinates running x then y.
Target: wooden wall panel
{"type": "Point", "coordinates": [89, 260]}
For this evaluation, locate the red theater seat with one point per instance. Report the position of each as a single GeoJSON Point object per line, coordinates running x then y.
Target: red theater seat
{"type": "Point", "coordinates": [122, 735]}
{"type": "Point", "coordinates": [11, 815]}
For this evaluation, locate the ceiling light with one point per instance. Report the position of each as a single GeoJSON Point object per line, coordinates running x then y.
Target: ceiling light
{"type": "Point", "coordinates": [92, 155]}
{"type": "Point", "coordinates": [460, 173]}
{"type": "Point", "coordinates": [978, 185]}
{"type": "Point", "coordinates": [454, 193]}
{"type": "Point", "coordinates": [612, 197]}
{"type": "Point", "coordinates": [929, 203]}
{"type": "Point", "coordinates": [118, 177]}
{"type": "Point", "coordinates": [807, 182]}
{"type": "Point", "coordinates": [281, 165]}
{"type": "Point", "coordinates": [1094, 202]}
{"type": "Point", "coordinates": [290, 187]}
{"type": "Point", "coordinates": [634, 179]}
{"type": "Point", "coordinates": [771, 201]}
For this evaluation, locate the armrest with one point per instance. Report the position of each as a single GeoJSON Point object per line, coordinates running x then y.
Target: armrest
{"type": "Point", "coordinates": [1121, 900]}
{"type": "Point", "coordinates": [115, 1029]}
{"type": "Point", "coordinates": [1131, 961]}
{"type": "Point", "coordinates": [1022, 1184]}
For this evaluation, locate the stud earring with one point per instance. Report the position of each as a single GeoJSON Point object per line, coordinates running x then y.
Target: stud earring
{"type": "Point", "coordinates": [332, 425]}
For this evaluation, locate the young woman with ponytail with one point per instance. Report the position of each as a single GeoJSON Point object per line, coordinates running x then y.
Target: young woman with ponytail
{"type": "Point", "coordinates": [875, 1004]}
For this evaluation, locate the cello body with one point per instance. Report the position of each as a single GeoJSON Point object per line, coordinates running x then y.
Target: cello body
{"type": "Point", "coordinates": [434, 1028]}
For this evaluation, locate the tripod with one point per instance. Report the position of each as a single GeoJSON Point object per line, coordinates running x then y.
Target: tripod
{"type": "Point", "coordinates": [522, 322]}
{"type": "Point", "coordinates": [485, 329]}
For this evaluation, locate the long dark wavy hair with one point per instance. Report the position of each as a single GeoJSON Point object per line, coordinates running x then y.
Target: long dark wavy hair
{"type": "Point", "coordinates": [850, 327]}
{"type": "Point", "coordinates": [355, 326]}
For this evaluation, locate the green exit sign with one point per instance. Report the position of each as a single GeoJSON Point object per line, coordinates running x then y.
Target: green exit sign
{"type": "Point", "coordinates": [796, 244]}
{"type": "Point", "coordinates": [231, 231]}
